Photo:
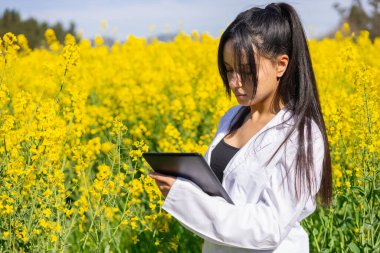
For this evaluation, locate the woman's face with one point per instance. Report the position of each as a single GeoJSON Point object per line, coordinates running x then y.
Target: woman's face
{"type": "Point", "coordinates": [267, 74]}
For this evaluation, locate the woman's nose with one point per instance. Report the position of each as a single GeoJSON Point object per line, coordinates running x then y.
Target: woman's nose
{"type": "Point", "coordinates": [235, 80]}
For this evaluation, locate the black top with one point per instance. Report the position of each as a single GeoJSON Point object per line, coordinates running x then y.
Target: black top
{"type": "Point", "coordinates": [220, 156]}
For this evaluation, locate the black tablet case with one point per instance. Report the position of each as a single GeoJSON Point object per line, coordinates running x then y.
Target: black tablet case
{"type": "Point", "coordinates": [191, 166]}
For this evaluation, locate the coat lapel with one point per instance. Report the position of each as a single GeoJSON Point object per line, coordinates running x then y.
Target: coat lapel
{"type": "Point", "coordinates": [255, 144]}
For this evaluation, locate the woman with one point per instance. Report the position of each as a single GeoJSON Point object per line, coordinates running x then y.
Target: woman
{"type": "Point", "coordinates": [270, 152]}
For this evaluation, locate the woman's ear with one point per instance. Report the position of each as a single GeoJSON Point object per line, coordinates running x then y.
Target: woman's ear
{"type": "Point", "coordinates": [282, 64]}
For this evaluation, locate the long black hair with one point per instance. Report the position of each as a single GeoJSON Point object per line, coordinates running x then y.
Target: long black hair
{"type": "Point", "coordinates": [271, 31]}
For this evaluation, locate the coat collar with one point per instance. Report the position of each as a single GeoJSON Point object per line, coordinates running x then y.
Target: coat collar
{"type": "Point", "coordinates": [257, 142]}
{"type": "Point", "coordinates": [279, 118]}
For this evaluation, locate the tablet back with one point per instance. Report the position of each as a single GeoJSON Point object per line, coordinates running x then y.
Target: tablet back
{"type": "Point", "coordinates": [191, 166]}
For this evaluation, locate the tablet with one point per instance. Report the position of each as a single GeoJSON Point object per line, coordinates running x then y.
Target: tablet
{"type": "Point", "coordinates": [191, 166]}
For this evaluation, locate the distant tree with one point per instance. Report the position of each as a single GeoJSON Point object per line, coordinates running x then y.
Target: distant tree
{"type": "Point", "coordinates": [163, 37]}
{"type": "Point", "coordinates": [359, 19]}
{"type": "Point", "coordinates": [34, 31]}
{"type": "Point", "coordinates": [375, 24]}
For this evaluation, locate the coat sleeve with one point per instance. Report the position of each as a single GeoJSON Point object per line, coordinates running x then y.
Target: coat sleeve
{"type": "Point", "coordinates": [262, 225]}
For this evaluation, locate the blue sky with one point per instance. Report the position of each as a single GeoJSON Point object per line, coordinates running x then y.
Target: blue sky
{"type": "Point", "coordinates": [148, 17]}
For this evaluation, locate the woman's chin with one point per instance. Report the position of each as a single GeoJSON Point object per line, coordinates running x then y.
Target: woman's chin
{"type": "Point", "coordinates": [243, 101]}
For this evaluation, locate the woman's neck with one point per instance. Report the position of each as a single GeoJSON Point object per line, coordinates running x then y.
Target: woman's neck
{"type": "Point", "coordinates": [263, 113]}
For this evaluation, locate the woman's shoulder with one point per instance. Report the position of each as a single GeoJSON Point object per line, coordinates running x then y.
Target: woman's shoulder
{"type": "Point", "coordinates": [230, 112]}
{"type": "Point", "coordinates": [316, 135]}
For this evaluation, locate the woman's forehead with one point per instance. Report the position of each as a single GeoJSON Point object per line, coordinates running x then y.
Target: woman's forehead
{"type": "Point", "coordinates": [229, 54]}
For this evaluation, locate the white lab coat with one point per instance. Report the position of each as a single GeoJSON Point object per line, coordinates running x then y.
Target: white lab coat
{"type": "Point", "coordinates": [265, 216]}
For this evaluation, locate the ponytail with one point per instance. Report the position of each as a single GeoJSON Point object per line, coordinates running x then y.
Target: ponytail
{"type": "Point", "coordinates": [302, 79]}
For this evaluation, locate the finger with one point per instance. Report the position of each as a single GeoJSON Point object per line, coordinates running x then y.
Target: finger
{"type": "Point", "coordinates": [166, 187]}
{"type": "Point", "coordinates": [161, 177]}
{"type": "Point", "coordinates": [163, 186]}
{"type": "Point", "coordinates": [154, 173]}
{"type": "Point", "coordinates": [160, 181]}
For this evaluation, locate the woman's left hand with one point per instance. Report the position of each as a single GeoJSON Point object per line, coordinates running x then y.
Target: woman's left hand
{"type": "Point", "coordinates": [164, 182]}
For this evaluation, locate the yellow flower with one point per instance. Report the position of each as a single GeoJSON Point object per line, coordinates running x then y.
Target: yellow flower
{"type": "Point", "coordinates": [124, 223]}
{"type": "Point", "coordinates": [106, 147]}
{"type": "Point", "coordinates": [53, 238]}
{"type": "Point", "coordinates": [47, 193]}
{"type": "Point", "coordinates": [43, 223]}
{"type": "Point", "coordinates": [47, 212]}
{"type": "Point", "coordinates": [22, 235]}
{"type": "Point", "coordinates": [8, 209]}
{"type": "Point", "coordinates": [135, 239]}
{"type": "Point", "coordinates": [98, 41]}
{"type": "Point", "coordinates": [37, 231]}
{"type": "Point", "coordinates": [68, 212]}
{"type": "Point", "coordinates": [6, 234]}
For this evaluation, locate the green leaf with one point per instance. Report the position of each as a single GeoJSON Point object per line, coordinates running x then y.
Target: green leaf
{"type": "Point", "coordinates": [354, 247]}
{"type": "Point", "coordinates": [358, 189]}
